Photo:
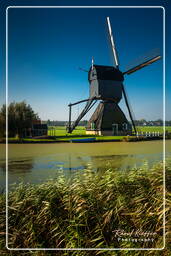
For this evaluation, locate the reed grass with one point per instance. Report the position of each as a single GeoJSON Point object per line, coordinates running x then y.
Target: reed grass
{"type": "Point", "coordinates": [85, 211]}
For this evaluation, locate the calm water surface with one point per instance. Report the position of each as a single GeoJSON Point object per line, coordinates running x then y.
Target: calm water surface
{"type": "Point", "coordinates": [35, 163]}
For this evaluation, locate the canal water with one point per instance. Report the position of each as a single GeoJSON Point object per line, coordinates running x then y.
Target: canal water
{"type": "Point", "coordinates": [36, 163]}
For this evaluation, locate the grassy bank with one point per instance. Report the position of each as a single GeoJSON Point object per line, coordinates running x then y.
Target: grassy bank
{"type": "Point", "coordinates": [56, 139]}
{"type": "Point", "coordinates": [153, 128]}
{"type": "Point", "coordinates": [61, 131]}
{"type": "Point", "coordinates": [86, 211]}
{"type": "Point", "coordinates": [59, 134]}
{"type": "Point", "coordinates": [81, 130]}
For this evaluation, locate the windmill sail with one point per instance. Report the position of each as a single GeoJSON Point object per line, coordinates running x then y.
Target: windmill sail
{"type": "Point", "coordinates": [143, 62]}
{"type": "Point", "coordinates": [116, 60]}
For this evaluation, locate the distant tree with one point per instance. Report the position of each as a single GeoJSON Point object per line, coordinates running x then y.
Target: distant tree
{"type": "Point", "coordinates": [48, 122]}
{"type": "Point", "coordinates": [159, 122]}
{"type": "Point", "coordinates": [168, 123]}
{"type": "Point", "coordinates": [142, 122]}
{"type": "Point", "coordinates": [20, 117]}
{"type": "Point", "coordinates": [83, 123]}
{"type": "Point", "coordinates": [2, 121]}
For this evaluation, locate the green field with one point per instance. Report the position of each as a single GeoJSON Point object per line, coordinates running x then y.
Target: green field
{"type": "Point", "coordinates": [59, 133]}
{"type": "Point", "coordinates": [81, 130]}
{"type": "Point", "coordinates": [153, 128]}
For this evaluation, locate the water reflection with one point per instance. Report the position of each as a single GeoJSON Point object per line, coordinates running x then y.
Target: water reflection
{"type": "Point", "coordinates": [17, 171]}
{"type": "Point", "coordinates": [37, 163]}
{"type": "Point", "coordinates": [18, 166]}
{"type": "Point", "coordinates": [36, 170]}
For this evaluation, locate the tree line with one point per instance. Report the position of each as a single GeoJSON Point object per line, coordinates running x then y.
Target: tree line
{"type": "Point", "coordinates": [63, 123]}
{"type": "Point", "coordinates": [141, 122]}
{"type": "Point", "coordinates": [20, 117]}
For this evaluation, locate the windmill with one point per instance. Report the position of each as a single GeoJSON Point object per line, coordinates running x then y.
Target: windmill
{"type": "Point", "coordinates": [106, 85]}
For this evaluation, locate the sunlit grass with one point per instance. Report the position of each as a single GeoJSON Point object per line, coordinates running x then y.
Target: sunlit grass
{"type": "Point", "coordinates": [61, 131]}
{"type": "Point", "coordinates": [81, 130]}
{"type": "Point", "coordinates": [153, 128]}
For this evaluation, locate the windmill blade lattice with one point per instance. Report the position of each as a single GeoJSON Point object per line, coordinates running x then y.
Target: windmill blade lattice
{"type": "Point", "coordinates": [115, 55]}
{"type": "Point", "coordinates": [143, 61]}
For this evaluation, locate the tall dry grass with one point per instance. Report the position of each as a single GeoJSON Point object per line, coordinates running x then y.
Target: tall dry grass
{"type": "Point", "coordinates": [85, 212]}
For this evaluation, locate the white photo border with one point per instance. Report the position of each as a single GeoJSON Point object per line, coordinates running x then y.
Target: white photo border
{"type": "Point", "coordinates": [164, 98]}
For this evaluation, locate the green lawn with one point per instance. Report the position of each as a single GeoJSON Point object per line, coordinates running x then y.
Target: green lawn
{"type": "Point", "coordinates": [81, 130]}
{"type": "Point", "coordinates": [153, 128]}
{"type": "Point", "coordinates": [61, 131]}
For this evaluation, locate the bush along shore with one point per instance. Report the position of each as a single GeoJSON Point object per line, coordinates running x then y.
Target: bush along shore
{"type": "Point", "coordinates": [110, 210]}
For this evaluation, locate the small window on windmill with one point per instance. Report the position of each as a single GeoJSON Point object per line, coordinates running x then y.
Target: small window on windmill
{"type": "Point", "coordinates": [92, 126]}
{"type": "Point", "coordinates": [125, 126]}
{"type": "Point", "coordinates": [115, 129]}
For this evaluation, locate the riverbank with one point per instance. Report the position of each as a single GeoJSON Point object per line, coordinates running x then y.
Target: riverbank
{"type": "Point", "coordinates": [86, 211]}
{"type": "Point", "coordinates": [57, 134]}
{"type": "Point", "coordinates": [82, 139]}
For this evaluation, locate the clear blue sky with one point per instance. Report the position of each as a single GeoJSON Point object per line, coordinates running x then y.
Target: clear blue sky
{"type": "Point", "coordinates": [46, 47]}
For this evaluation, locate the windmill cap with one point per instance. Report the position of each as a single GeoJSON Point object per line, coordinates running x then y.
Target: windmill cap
{"type": "Point", "coordinates": [105, 73]}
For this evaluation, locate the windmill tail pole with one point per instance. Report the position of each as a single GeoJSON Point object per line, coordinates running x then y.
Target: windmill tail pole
{"type": "Point", "coordinates": [128, 107]}
{"type": "Point", "coordinates": [69, 126]}
{"type": "Point", "coordinates": [90, 103]}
